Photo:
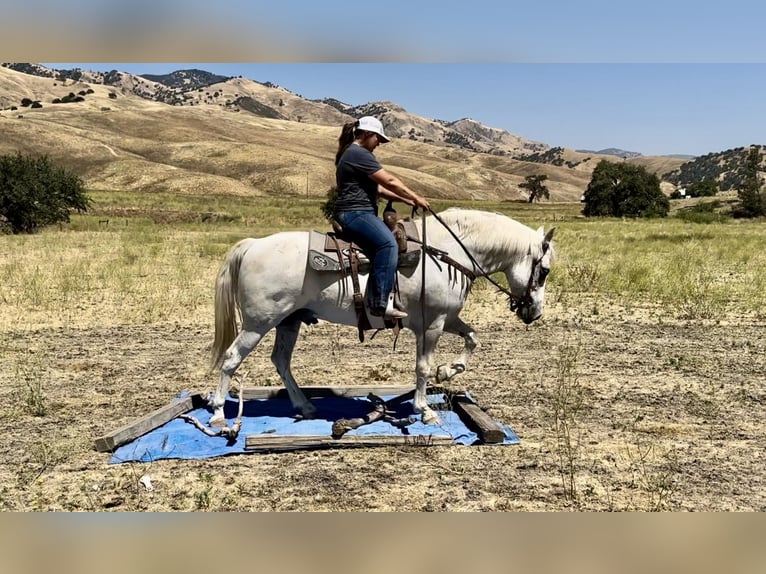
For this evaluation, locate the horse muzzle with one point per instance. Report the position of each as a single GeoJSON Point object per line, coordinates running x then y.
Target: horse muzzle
{"type": "Point", "coordinates": [527, 314]}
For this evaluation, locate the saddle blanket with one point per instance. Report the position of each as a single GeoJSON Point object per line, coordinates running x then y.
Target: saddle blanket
{"type": "Point", "coordinates": [323, 255]}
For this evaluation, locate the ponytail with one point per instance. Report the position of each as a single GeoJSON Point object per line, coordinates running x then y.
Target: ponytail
{"type": "Point", "coordinates": [345, 139]}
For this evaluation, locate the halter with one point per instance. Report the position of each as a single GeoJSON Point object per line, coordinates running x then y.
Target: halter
{"type": "Point", "coordinates": [515, 302]}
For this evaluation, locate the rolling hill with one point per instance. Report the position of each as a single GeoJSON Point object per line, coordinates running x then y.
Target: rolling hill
{"type": "Point", "coordinates": [196, 132]}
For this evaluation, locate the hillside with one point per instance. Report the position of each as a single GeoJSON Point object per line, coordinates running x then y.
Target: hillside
{"type": "Point", "coordinates": [727, 168]}
{"type": "Point", "coordinates": [195, 132]}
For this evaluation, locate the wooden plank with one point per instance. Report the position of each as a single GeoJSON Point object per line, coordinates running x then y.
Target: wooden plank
{"type": "Point", "coordinates": [272, 442]}
{"type": "Point", "coordinates": [476, 419]}
{"type": "Point", "coordinates": [252, 393]}
{"type": "Point", "coordinates": [143, 425]}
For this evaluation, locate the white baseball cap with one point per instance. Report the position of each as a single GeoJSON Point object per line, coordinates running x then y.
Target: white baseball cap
{"type": "Point", "coordinates": [371, 124]}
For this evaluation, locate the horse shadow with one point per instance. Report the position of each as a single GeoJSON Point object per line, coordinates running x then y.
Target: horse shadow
{"type": "Point", "coordinates": [329, 409]}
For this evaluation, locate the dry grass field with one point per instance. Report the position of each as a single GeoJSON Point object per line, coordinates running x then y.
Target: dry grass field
{"type": "Point", "coordinates": [641, 389]}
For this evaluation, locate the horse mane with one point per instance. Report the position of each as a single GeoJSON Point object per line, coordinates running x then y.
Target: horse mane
{"type": "Point", "coordinates": [490, 232]}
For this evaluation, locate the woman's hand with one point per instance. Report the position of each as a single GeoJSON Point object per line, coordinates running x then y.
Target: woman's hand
{"type": "Point", "coordinates": [421, 202]}
{"type": "Point", "coordinates": [391, 187]}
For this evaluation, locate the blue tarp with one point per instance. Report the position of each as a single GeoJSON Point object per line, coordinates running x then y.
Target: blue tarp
{"type": "Point", "coordinates": [180, 439]}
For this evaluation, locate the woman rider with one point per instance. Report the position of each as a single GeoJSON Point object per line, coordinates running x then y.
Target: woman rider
{"type": "Point", "coordinates": [361, 181]}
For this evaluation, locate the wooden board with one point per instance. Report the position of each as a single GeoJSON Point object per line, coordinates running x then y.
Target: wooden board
{"type": "Point", "coordinates": [469, 412]}
{"type": "Point", "coordinates": [272, 442]}
{"type": "Point", "coordinates": [476, 419]}
{"type": "Point", "coordinates": [137, 428]}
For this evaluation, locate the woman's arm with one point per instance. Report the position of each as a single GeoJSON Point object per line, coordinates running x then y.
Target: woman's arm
{"type": "Point", "coordinates": [385, 194]}
{"type": "Point", "coordinates": [400, 191]}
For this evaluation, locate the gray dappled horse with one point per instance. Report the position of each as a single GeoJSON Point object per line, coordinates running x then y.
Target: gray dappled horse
{"type": "Point", "coordinates": [266, 283]}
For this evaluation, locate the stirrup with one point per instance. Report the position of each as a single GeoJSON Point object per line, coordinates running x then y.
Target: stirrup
{"type": "Point", "coordinates": [391, 313]}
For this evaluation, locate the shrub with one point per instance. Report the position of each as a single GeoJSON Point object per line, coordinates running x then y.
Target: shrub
{"type": "Point", "coordinates": [35, 193]}
{"type": "Point", "coordinates": [328, 207]}
{"type": "Point", "coordinates": [704, 213]}
{"type": "Point", "coordinates": [68, 99]}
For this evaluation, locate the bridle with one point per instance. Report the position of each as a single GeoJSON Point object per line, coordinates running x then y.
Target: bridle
{"type": "Point", "coordinates": [516, 303]}
{"type": "Point", "coordinates": [526, 299]}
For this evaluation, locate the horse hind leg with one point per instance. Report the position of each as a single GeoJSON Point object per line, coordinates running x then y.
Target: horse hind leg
{"type": "Point", "coordinates": [245, 342]}
{"type": "Point", "coordinates": [281, 356]}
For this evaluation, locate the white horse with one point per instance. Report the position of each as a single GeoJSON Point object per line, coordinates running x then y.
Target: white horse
{"type": "Point", "coordinates": [266, 283]}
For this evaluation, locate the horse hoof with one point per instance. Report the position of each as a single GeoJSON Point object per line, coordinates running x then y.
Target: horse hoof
{"type": "Point", "coordinates": [431, 418]}
{"type": "Point", "coordinates": [217, 421]}
{"type": "Point", "coordinates": [442, 374]}
{"type": "Point", "coordinates": [309, 412]}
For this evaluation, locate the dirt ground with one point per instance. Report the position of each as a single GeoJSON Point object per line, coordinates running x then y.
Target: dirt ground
{"type": "Point", "coordinates": [663, 415]}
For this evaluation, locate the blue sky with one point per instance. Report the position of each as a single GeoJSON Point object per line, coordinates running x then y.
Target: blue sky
{"type": "Point", "coordinates": [654, 109]}
{"type": "Point", "coordinates": [653, 76]}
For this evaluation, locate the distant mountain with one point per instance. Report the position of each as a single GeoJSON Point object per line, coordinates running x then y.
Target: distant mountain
{"type": "Point", "coordinates": [465, 133]}
{"type": "Point", "coordinates": [612, 151]}
{"type": "Point", "coordinates": [31, 69]}
{"type": "Point", "coordinates": [124, 132]}
{"type": "Point", "coordinates": [197, 87]}
{"type": "Point", "coordinates": [192, 87]}
{"type": "Point", "coordinates": [454, 157]}
{"type": "Point", "coordinates": [727, 168]}
{"type": "Point", "coordinates": [186, 79]}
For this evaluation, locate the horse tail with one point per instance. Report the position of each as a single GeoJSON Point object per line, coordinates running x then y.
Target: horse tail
{"type": "Point", "coordinates": [227, 303]}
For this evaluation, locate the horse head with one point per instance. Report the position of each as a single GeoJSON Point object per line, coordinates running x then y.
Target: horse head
{"type": "Point", "coordinates": [526, 279]}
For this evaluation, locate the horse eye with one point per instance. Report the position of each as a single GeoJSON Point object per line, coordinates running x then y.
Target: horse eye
{"type": "Point", "coordinates": [543, 275]}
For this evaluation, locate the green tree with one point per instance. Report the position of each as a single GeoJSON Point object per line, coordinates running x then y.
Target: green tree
{"type": "Point", "coordinates": [624, 190]}
{"type": "Point", "coordinates": [35, 193]}
{"type": "Point", "coordinates": [704, 188]}
{"type": "Point", "coordinates": [752, 200]}
{"type": "Point", "coordinates": [536, 187]}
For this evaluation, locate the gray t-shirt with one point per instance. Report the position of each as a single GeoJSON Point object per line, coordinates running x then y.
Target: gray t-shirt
{"type": "Point", "coordinates": [356, 190]}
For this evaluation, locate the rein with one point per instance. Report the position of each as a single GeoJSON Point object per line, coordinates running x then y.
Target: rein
{"type": "Point", "coordinates": [515, 302]}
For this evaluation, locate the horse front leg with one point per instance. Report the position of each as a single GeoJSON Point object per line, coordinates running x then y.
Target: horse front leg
{"type": "Point", "coordinates": [460, 364]}
{"type": "Point", "coordinates": [423, 362]}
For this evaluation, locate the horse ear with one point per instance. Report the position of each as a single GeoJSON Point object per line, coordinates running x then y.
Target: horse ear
{"type": "Point", "coordinates": [547, 239]}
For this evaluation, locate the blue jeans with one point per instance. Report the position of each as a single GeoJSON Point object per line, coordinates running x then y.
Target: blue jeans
{"type": "Point", "coordinates": [377, 242]}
